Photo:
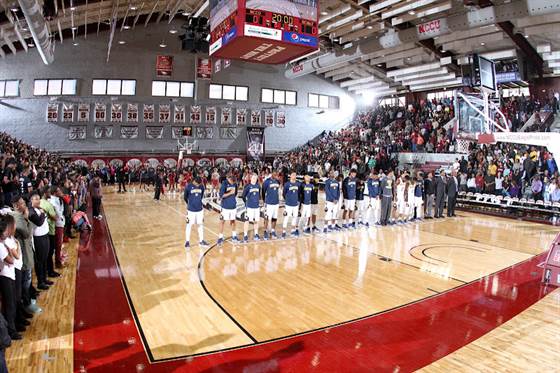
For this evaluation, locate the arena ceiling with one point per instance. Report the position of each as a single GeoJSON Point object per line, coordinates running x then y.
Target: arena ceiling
{"type": "Point", "coordinates": [383, 45]}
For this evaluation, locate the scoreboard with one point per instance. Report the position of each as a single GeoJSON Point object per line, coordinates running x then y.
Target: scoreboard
{"type": "Point", "coordinates": [263, 31]}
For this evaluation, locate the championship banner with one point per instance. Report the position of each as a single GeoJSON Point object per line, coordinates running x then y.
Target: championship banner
{"type": "Point", "coordinates": [179, 114]}
{"type": "Point", "coordinates": [129, 132]}
{"type": "Point", "coordinates": [268, 118]}
{"type": "Point", "coordinates": [132, 113]}
{"type": "Point", "coordinates": [210, 115]}
{"type": "Point", "coordinates": [203, 68]}
{"type": "Point", "coordinates": [241, 117]}
{"type": "Point", "coordinates": [148, 113]}
{"type": "Point", "coordinates": [164, 65]}
{"type": "Point", "coordinates": [116, 113]}
{"type": "Point", "coordinates": [226, 116]}
{"type": "Point", "coordinates": [153, 133]}
{"type": "Point", "coordinates": [229, 133]}
{"type": "Point", "coordinates": [67, 112]}
{"type": "Point", "coordinates": [196, 115]}
{"type": "Point", "coordinates": [255, 144]}
{"type": "Point", "coordinates": [227, 63]}
{"type": "Point", "coordinates": [52, 113]}
{"type": "Point", "coordinates": [165, 113]}
{"type": "Point", "coordinates": [103, 132]}
{"type": "Point", "coordinates": [83, 112]}
{"type": "Point", "coordinates": [204, 132]}
{"type": "Point", "coordinates": [77, 132]}
{"type": "Point", "coordinates": [100, 112]}
{"type": "Point", "coordinates": [280, 119]}
{"type": "Point", "coordinates": [255, 118]}
{"type": "Point", "coordinates": [217, 66]}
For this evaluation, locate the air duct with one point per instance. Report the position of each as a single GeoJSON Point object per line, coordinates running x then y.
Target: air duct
{"type": "Point", "coordinates": [33, 13]}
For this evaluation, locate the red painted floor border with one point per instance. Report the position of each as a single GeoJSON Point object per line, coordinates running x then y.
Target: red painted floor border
{"type": "Point", "coordinates": [106, 338]}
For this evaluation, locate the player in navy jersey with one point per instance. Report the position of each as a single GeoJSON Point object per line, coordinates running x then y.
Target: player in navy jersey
{"type": "Point", "coordinates": [228, 194]}
{"type": "Point", "coordinates": [349, 185]}
{"type": "Point", "coordinates": [252, 197]}
{"type": "Point", "coordinates": [271, 196]}
{"type": "Point", "coordinates": [306, 196]}
{"type": "Point", "coordinates": [332, 195]}
{"type": "Point", "coordinates": [374, 199]}
{"type": "Point", "coordinates": [291, 208]}
{"type": "Point", "coordinates": [194, 192]}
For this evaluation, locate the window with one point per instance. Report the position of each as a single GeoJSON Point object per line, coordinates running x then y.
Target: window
{"type": "Point", "coordinates": [172, 89]}
{"type": "Point", "coordinates": [55, 87]}
{"type": "Point", "coordinates": [9, 88]}
{"type": "Point", "coordinates": [393, 101]}
{"type": "Point", "coordinates": [512, 92]}
{"type": "Point", "coordinates": [228, 92]}
{"type": "Point", "coordinates": [440, 95]}
{"type": "Point", "coordinates": [113, 87]}
{"type": "Point", "coordinates": [322, 101]}
{"type": "Point", "coordinates": [277, 96]}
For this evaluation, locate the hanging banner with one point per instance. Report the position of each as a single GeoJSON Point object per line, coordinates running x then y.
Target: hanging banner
{"type": "Point", "coordinates": [165, 113]}
{"type": "Point", "coordinates": [52, 113]}
{"type": "Point", "coordinates": [67, 112]}
{"type": "Point", "coordinates": [116, 113]}
{"type": "Point", "coordinates": [83, 112]}
{"type": "Point", "coordinates": [217, 66]}
{"type": "Point", "coordinates": [241, 117]}
{"type": "Point", "coordinates": [153, 133]}
{"type": "Point", "coordinates": [227, 63]}
{"type": "Point", "coordinates": [229, 133]}
{"type": "Point", "coordinates": [132, 113]}
{"type": "Point", "coordinates": [255, 118]}
{"type": "Point", "coordinates": [196, 115]}
{"type": "Point", "coordinates": [100, 112]}
{"type": "Point", "coordinates": [255, 144]}
{"type": "Point", "coordinates": [210, 115]}
{"type": "Point", "coordinates": [164, 65]}
{"type": "Point", "coordinates": [268, 118]}
{"type": "Point", "coordinates": [203, 68]}
{"type": "Point", "coordinates": [129, 132]}
{"type": "Point", "coordinates": [179, 114]}
{"type": "Point", "coordinates": [149, 113]}
{"type": "Point", "coordinates": [77, 132]}
{"type": "Point", "coordinates": [103, 132]}
{"type": "Point", "coordinates": [226, 116]}
{"type": "Point", "coordinates": [280, 119]}
{"type": "Point", "coordinates": [204, 132]}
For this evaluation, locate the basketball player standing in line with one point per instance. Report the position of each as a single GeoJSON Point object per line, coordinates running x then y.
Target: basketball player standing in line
{"type": "Point", "coordinates": [194, 192]}
{"type": "Point", "coordinates": [271, 198]}
{"type": "Point", "coordinates": [228, 194]}
{"type": "Point", "coordinates": [251, 197]}
{"type": "Point", "coordinates": [291, 208]}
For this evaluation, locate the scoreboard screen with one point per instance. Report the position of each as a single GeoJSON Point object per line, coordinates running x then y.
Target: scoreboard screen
{"type": "Point", "coordinates": [282, 22]}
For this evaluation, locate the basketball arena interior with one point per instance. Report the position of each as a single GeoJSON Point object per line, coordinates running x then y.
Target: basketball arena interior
{"type": "Point", "coordinates": [279, 186]}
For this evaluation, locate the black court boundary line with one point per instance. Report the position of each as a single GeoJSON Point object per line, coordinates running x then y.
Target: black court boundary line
{"type": "Point", "coordinates": [182, 357]}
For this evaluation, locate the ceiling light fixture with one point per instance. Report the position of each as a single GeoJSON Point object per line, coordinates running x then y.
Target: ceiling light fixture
{"type": "Point", "coordinates": [483, 43]}
{"type": "Point", "coordinates": [133, 7]}
{"type": "Point", "coordinates": [323, 13]}
{"type": "Point", "coordinates": [162, 44]}
{"type": "Point", "coordinates": [75, 43]}
{"type": "Point", "coordinates": [411, 12]}
{"type": "Point", "coordinates": [126, 27]}
{"type": "Point", "coordinates": [370, 27]}
{"type": "Point", "coordinates": [31, 45]}
{"type": "Point", "coordinates": [121, 42]}
{"type": "Point", "coordinates": [186, 14]}
{"type": "Point", "coordinates": [72, 8]}
{"type": "Point", "coordinates": [173, 31]}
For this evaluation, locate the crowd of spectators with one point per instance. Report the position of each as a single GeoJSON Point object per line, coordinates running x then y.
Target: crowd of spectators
{"type": "Point", "coordinates": [518, 110]}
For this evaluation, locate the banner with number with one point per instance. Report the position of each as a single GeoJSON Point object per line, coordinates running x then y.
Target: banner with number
{"type": "Point", "coordinates": [255, 118]}
{"type": "Point", "coordinates": [129, 132]}
{"type": "Point", "coordinates": [153, 133]}
{"type": "Point", "coordinates": [255, 144]}
{"type": "Point", "coordinates": [165, 113]}
{"type": "Point", "coordinates": [226, 116]}
{"type": "Point", "coordinates": [77, 132]}
{"type": "Point", "coordinates": [83, 112]}
{"type": "Point", "coordinates": [67, 112]}
{"type": "Point", "coordinates": [210, 115]}
{"type": "Point", "coordinates": [148, 113]}
{"type": "Point", "coordinates": [103, 132]}
{"type": "Point", "coordinates": [100, 112]}
{"type": "Point", "coordinates": [204, 132]}
{"type": "Point", "coordinates": [116, 113]}
{"type": "Point", "coordinates": [196, 114]}
{"type": "Point", "coordinates": [241, 117]}
{"type": "Point", "coordinates": [179, 114]}
{"type": "Point", "coordinates": [280, 119]}
{"type": "Point", "coordinates": [268, 118]}
{"type": "Point", "coordinates": [52, 113]}
{"type": "Point", "coordinates": [132, 113]}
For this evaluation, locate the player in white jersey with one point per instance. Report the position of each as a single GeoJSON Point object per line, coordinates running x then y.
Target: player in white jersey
{"type": "Point", "coordinates": [410, 199]}
{"type": "Point", "coordinates": [402, 210]}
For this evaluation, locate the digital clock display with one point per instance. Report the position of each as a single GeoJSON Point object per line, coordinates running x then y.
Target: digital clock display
{"type": "Point", "coordinates": [280, 22]}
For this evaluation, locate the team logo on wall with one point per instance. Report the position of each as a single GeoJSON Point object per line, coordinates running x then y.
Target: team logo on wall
{"type": "Point", "coordinates": [129, 132]}
{"type": "Point", "coordinates": [229, 133]}
{"type": "Point", "coordinates": [241, 117]}
{"type": "Point", "coordinates": [52, 113]}
{"type": "Point", "coordinates": [164, 113]}
{"type": "Point", "coordinates": [226, 116]}
{"type": "Point", "coordinates": [204, 132]}
{"type": "Point", "coordinates": [100, 112]}
{"type": "Point", "coordinates": [103, 132]}
{"type": "Point", "coordinates": [281, 119]}
{"type": "Point", "coordinates": [153, 133]}
{"type": "Point", "coordinates": [148, 113]}
{"type": "Point", "coordinates": [255, 118]}
{"type": "Point", "coordinates": [83, 113]}
{"type": "Point", "coordinates": [132, 113]}
{"type": "Point", "coordinates": [116, 113]}
{"type": "Point", "coordinates": [268, 118]}
{"type": "Point", "coordinates": [196, 115]}
{"type": "Point", "coordinates": [210, 115]}
{"type": "Point", "coordinates": [67, 112]}
{"type": "Point", "coordinates": [77, 132]}
{"type": "Point", "coordinates": [179, 114]}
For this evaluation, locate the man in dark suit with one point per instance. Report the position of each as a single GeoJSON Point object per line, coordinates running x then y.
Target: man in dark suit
{"type": "Point", "coordinates": [429, 190]}
{"type": "Point", "coordinates": [452, 189]}
{"type": "Point", "coordinates": [440, 186]}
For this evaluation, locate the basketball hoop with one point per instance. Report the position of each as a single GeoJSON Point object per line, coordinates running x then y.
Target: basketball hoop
{"type": "Point", "coordinates": [185, 146]}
